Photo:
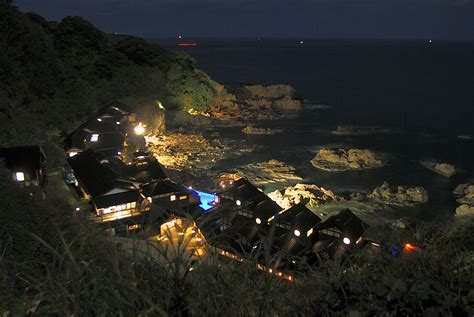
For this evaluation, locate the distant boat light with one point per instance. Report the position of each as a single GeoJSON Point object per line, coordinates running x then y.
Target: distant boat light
{"type": "Point", "coordinates": [187, 44]}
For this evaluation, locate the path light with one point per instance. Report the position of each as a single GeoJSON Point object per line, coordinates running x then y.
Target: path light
{"type": "Point", "coordinates": [297, 233]}
{"type": "Point", "coordinates": [258, 221]}
{"type": "Point", "coordinates": [346, 241]}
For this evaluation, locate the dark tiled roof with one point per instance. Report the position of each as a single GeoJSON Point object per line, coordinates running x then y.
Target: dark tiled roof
{"type": "Point", "coordinates": [345, 221]}
{"type": "Point", "coordinates": [96, 178]}
{"type": "Point", "coordinates": [114, 109]}
{"type": "Point", "coordinates": [23, 157]}
{"type": "Point", "coordinates": [300, 217]}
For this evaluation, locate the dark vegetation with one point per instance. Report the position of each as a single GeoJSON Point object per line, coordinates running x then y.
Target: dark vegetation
{"type": "Point", "coordinates": [55, 74]}
{"type": "Point", "coordinates": [54, 263]}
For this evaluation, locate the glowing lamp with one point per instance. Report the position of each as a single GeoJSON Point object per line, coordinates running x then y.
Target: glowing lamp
{"type": "Point", "coordinates": [71, 154]}
{"type": "Point", "coordinates": [139, 129]}
{"type": "Point", "coordinates": [20, 176]}
{"type": "Point", "coordinates": [258, 221]}
{"type": "Point", "coordinates": [238, 202]}
{"type": "Point", "coordinates": [99, 119]}
{"type": "Point", "coordinates": [297, 233]}
{"type": "Point", "coordinates": [94, 137]}
{"type": "Point", "coordinates": [346, 241]}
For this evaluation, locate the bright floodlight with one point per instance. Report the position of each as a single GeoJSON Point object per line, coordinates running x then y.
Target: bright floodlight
{"type": "Point", "coordinates": [258, 221]}
{"type": "Point", "coordinates": [238, 202]}
{"type": "Point", "coordinates": [139, 129]}
{"type": "Point", "coordinates": [297, 233]}
{"type": "Point", "coordinates": [346, 241]}
{"type": "Point", "coordinates": [20, 176]}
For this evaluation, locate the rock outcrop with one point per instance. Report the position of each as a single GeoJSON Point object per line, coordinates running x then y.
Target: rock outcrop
{"type": "Point", "coordinates": [250, 129]}
{"type": "Point", "coordinates": [465, 210]}
{"type": "Point", "coordinates": [309, 194]}
{"type": "Point", "coordinates": [257, 102]}
{"type": "Point", "coordinates": [271, 172]}
{"type": "Point", "coordinates": [352, 130]}
{"type": "Point", "coordinates": [465, 196]}
{"type": "Point", "coordinates": [400, 195]}
{"type": "Point", "coordinates": [444, 169]}
{"type": "Point", "coordinates": [335, 160]}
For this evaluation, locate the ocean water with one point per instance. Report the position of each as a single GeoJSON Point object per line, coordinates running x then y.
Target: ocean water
{"type": "Point", "coordinates": [422, 91]}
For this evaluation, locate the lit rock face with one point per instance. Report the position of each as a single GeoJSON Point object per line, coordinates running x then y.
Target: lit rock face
{"type": "Point", "coordinates": [465, 196]}
{"type": "Point", "coordinates": [445, 169]}
{"type": "Point", "coordinates": [465, 210]}
{"type": "Point", "coordinates": [271, 172]}
{"type": "Point", "coordinates": [193, 153]}
{"type": "Point", "coordinates": [311, 195]}
{"type": "Point", "coordinates": [250, 129]}
{"type": "Point", "coordinates": [256, 102]}
{"type": "Point", "coordinates": [336, 160]}
{"type": "Point", "coordinates": [400, 195]}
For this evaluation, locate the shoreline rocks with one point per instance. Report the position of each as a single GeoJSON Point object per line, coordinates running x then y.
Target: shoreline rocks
{"type": "Point", "coordinates": [310, 194]}
{"type": "Point", "coordinates": [270, 172]}
{"type": "Point", "coordinates": [465, 197]}
{"type": "Point", "coordinates": [257, 102]}
{"type": "Point", "coordinates": [338, 160]}
{"type": "Point", "coordinates": [400, 195]}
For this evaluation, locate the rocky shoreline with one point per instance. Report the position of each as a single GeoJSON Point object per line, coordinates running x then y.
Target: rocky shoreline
{"type": "Point", "coordinates": [339, 160]}
{"type": "Point", "coordinates": [257, 102]}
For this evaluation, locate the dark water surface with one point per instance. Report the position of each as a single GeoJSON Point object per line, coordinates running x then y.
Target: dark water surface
{"type": "Point", "coordinates": [423, 91]}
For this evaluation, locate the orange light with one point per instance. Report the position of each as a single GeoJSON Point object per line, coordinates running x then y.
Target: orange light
{"type": "Point", "coordinates": [409, 247]}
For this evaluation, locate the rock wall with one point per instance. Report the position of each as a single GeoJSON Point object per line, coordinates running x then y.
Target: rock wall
{"type": "Point", "coordinates": [400, 195]}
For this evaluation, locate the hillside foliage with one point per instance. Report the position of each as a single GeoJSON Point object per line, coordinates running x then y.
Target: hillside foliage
{"type": "Point", "coordinates": [55, 74]}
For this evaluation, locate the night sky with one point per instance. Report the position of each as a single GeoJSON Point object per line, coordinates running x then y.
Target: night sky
{"type": "Point", "coordinates": [406, 19]}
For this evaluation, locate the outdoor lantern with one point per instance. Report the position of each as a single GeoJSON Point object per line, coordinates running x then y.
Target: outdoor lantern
{"type": "Point", "coordinates": [297, 233]}
{"type": "Point", "coordinates": [20, 176]}
{"type": "Point", "coordinates": [258, 221]}
{"type": "Point", "coordinates": [346, 240]}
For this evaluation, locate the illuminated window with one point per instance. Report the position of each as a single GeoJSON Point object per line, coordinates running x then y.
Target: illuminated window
{"type": "Point", "coordinates": [71, 154]}
{"type": "Point", "coordinates": [94, 137]}
{"type": "Point", "coordinates": [149, 200]}
{"type": "Point", "coordinates": [119, 208]}
{"type": "Point", "coordinates": [310, 232]}
{"type": "Point", "coordinates": [20, 176]}
{"type": "Point", "coordinates": [133, 204]}
{"type": "Point", "coordinates": [183, 197]}
{"type": "Point", "coordinates": [173, 197]}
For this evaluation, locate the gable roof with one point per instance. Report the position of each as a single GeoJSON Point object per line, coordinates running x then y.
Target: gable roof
{"type": "Point", "coordinates": [95, 177]}
{"type": "Point", "coordinates": [299, 216]}
{"type": "Point", "coordinates": [346, 222]}
{"type": "Point", "coordinates": [23, 157]}
{"type": "Point", "coordinates": [115, 110]}
{"type": "Point", "coordinates": [127, 196]}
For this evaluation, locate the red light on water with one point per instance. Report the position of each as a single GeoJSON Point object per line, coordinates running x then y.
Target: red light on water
{"type": "Point", "coordinates": [187, 44]}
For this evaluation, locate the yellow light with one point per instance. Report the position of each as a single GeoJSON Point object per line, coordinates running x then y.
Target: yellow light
{"type": "Point", "coordinates": [139, 129]}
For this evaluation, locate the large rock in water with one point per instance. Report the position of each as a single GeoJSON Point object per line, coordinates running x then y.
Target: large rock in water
{"type": "Point", "coordinates": [271, 172]}
{"type": "Point", "coordinates": [250, 129]}
{"type": "Point", "coordinates": [253, 102]}
{"type": "Point", "coordinates": [444, 169]}
{"type": "Point", "coordinates": [335, 160]}
{"type": "Point", "coordinates": [400, 195]}
{"type": "Point", "coordinates": [311, 195]}
{"type": "Point", "coordinates": [465, 193]}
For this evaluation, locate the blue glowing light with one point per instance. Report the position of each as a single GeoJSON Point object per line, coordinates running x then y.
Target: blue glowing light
{"type": "Point", "coordinates": [207, 200]}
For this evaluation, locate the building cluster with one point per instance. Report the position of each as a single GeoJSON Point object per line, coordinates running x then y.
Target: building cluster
{"type": "Point", "coordinates": [129, 191]}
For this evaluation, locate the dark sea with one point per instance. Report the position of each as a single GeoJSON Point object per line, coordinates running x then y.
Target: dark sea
{"type": "Point", "coordinates": [422, 91]}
